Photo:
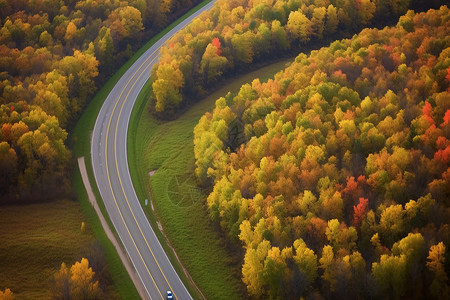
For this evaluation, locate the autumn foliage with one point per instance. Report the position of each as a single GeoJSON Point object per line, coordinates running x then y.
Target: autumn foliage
{"type": "Point", "coordinates": [333, 177]}
{"type": "Point", "coordinates": [235, 34]}
{"type": "Point", "coordinates": [53, 54]}
{"type": "Point", "coordinates": [76, 282]}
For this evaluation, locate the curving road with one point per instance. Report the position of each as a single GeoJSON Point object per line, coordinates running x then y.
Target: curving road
{"type": "Point", "coordinates": [110, 164]}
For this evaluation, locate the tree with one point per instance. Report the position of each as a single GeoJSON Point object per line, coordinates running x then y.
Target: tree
{"type": "Point", "coordinates": [332, 20]}
{"type": "Point", "coordinates": [126, 22]}
{"type": "Point", "coordinates": [436, 263]}
{"type": "Point", "coordinates": [306, 261]}
{"type": "Point", "coordinates": [326, 264]}
{"type": "Point", "coordinates": [82, 281]}
{"type": "Point", "coordinates": [392, 222]}
{"type": "Point", "coordinates": [299, 26]}
{"type": "Point", "coordinates": [308, 203]}
{"type": "Point", "coordinates": [166, 6]}
{"type": "Point", "coordinates": [390, 274]}
{"type": "Point", "coordinates": [167, 87]}
{"type": "Point", "coordinates": [318, 21]}
{"type": "Point", "coordinates": [71, 32]}
{"type": "Point", "coordinates": [212, 63]}
{"type": "Point", "coordinates": [274, 271]}
{"type": "Point", "coordinates": [105, 49]}
{"type": "Point", "coordinates": [279, 38]}
{"type": "Point", "coordinates": [360, 211]}
{"type": "Point", "coordinates": [80, 70]}
{"type": "Point", "coordinates": [61, 288]}
{"type": "Point", "coordinates": [366, 11]}
{"type": "Point", "coordinates": [6, 295]}
{"type": "Point", "coordinates": [8, 167]}
{"type": "Point", "coordinates": [131, 20]}
{"type": "Point", "coordinates": [253, 267]}
{"type": "Point", "coordinates": [243, 47]}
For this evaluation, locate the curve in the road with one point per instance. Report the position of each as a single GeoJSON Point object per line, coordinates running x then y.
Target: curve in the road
{"type": "Point", "coordinates": [110, 164]}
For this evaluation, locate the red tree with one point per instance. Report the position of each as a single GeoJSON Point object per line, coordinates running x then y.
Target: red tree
{"type": "Point", "coordinates": [360, 211]}
{"type": "Point", "coordinates": [426, 110]}
{"type": "Point", "coordinates": [216, 43]}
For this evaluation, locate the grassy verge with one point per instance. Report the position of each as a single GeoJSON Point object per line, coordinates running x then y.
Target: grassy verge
{"type": "Point", "coordinates": [36, 239]}
{"type": "Point", "coordinates": [168, 148]}
{"type": "Point", "coordinates": [79, 141]}
{"type": "Point", "coordinates": [119, 276]}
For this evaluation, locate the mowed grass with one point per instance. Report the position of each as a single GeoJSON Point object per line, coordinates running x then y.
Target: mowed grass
{"type": "Point", "coordinates": [168, 148]}
{"type": "Point", "coordinates": [35, 240]}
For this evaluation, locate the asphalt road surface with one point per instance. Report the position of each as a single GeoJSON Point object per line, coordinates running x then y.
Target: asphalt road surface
{"type": "Point", "coordinates": [110, 164]}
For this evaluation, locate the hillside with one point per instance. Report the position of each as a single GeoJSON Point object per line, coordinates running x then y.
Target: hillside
{"type": "Point", "coordinates": [334, 177]}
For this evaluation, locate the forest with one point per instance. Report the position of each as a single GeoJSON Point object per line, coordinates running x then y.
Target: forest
{"type": "Point", "coordinates": [234, 35]}
{"type": "Point", "coordinates": [53, 56]}
{"type": "Point", "coordinates": [333, 178]}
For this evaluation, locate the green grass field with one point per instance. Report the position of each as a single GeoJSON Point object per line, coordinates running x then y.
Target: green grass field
{"type": "Point", "coordinates": [168, 148]}
{"type": "Point", "coordinates": [35, 240]}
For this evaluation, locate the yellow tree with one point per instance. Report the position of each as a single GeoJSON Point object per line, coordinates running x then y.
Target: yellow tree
{"type": "Point", "coordinates": [82, 284]}
{"type": "Point", "coordinates": [71, 32]}
{"type": "Point", "coordinates": [366, 11]}
{"type": "Point", "coordinates": [243, 46]}
{"type": "Point", "coordinates": [6, 295]}
{"type": "Point", "coordinates": [332, 20]}
{"type": "Point", "coordinates": [436, 264]}
{"type": "Point", "coordinates": [131, 20]}
{"type": "Point", "coordinates": [80, 70]}
{"type": "Point", "coordinates": [167, 87]}
{"type": "Point", "coordinates": [212, 63]}
{"type": "Point", "coordinates": [166, 6]}
{"type": "Point", "coordinates": [318, 21]}
{"type": "Point", "coordinates": [61, 288]}
{"type": "Point", "coordinates": [252, 269]}
{"type": "Point", "coordinates": [299, 26]}
{"type": "Point", "coordinates": [306, 261]}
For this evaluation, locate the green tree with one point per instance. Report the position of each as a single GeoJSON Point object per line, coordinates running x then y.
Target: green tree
{"type": "Point", "coordinates": [390, 274]}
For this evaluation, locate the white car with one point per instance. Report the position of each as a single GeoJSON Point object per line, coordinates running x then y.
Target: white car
{"type": "Point", "coordinates": [169, 295]}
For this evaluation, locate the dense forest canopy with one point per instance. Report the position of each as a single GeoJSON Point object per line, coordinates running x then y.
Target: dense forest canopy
{"type": "Point", "coordinates": [334, 177]}
{"type": "Point", "coordinates": [235, 34]}
{"type": "Point", "coordinates": [53, 54]}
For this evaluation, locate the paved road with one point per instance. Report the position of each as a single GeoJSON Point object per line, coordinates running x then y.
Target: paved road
{"type": "Point", "coordinates": [110, 164]}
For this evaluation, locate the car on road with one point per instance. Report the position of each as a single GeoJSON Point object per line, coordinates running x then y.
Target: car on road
{"type": "Point", "coordinates": [169, 295]}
